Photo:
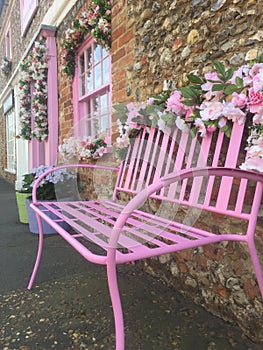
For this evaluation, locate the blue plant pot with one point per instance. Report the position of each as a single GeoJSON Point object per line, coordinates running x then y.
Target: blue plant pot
{"type": "Point", "coordinates": [33, 225]}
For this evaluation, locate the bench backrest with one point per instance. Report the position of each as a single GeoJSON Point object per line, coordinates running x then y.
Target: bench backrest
{"type": "Point", "coordinates": [154, 154]}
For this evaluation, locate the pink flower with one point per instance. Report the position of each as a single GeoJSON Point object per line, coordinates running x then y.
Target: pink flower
{"type": "Point", "coordinates": [134, 111]}
{"type": "Point", "coordinates": [255, 101]}
{"type": "Point", "coordinates": [175, 105]}
{"type": "Point", "coordinates": [258, 118]}
{"type": "Point", "coordinates": [258, 81]}
{"type": "Point", "coordinates": [211, 110]}
{"type": "Point", "coordinates": [222, 122]}
{"type": "Point", "coordinates": [239, 100]}
{"type": "Point", "coordinates": [201, 127]}
{"type": "Point", "coordinates": [209, 85]}
{"type": "Point", "coordinates": [233, 113]}
{"type": "Point", "coordinates": [211, 128]}
{"type": "Point", "coordinates": [150, 101]}
{"type": "Point", "coordinates": [255, 163]}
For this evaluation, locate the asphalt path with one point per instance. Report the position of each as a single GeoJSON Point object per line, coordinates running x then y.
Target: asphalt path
{"type": "Point", "coordinates": [69, 306]}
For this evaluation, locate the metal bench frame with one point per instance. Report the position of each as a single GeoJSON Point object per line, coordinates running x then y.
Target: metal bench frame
{"type": "Point", "coordinates": [157, 167]}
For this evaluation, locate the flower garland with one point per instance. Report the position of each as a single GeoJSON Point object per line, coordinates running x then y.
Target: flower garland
{"type": "Point", "coordinates": [214, 101]}
{"type": "Point", "coordinates": [93, 19]}
{"type": "Point", "coordinates": [33, 77]}
{"type": "Point", "coordinates": [6, 66]}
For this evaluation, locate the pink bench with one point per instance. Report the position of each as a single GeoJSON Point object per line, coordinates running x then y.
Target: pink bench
{"type": "Point", "coordinates": [178, 170]}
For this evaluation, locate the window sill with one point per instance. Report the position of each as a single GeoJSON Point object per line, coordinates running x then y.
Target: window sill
{"type": "Point", "coordinates": [10, 171]}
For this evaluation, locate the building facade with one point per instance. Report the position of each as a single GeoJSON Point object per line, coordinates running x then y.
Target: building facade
{"type": "Point", "coordinates": [78, 74]}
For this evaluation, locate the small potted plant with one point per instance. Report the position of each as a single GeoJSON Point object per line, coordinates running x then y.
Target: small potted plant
{"type": "Point", "coordinates": [47, 191]}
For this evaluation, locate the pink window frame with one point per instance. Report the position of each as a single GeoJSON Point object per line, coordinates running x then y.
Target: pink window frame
{"type": "Point", "coordinates": [77, 105]}
{"type": "Point", "coordinates": [28, 9]}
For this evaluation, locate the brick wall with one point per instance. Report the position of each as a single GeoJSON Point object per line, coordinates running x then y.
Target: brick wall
{"type": "Point", "coordinates": [123, 44]}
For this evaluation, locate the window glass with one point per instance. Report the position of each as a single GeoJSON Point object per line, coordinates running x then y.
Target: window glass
{"type": "Point", "coordinates": [10, 141]}
{"type": "Point", "coordinates": [97, 53]}
{"type": "Point", "coordinates": [81, 63]}
{"type": "Point", "coordinates": [106, 71]}
{"type": "Point", "coordinates": [97, 74]}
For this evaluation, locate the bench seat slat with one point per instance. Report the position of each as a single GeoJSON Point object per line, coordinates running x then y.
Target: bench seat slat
{"type": "Point", "coordinates": [144, 235]}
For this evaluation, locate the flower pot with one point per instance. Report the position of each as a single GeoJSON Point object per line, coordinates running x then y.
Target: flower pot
{"type": "Point", "coordinates": [21, 206]}
{"type": "Point", "coordinates": [33, 225]}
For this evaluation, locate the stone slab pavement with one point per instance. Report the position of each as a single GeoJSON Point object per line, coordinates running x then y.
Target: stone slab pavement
{"type": "Point", "coordinates": [69, 306]}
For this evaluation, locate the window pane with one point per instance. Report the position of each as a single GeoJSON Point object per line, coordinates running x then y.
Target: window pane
{"type": "Point", "coordinates": [104, 103]}
{"type": "Point", "coordinates": [104, 52]}
{"type": "Point", "coordinates": [88, 58]}
{"type": "Point", "coordinates": [106, 71]}
{"type": "Point", "coordinates": [82, 84]}
{"type": "Point", "coordinates": [95, 105]}
{"type": "Point", "coordinates": [10, 141]}
{"type": "Point", "coordinates": [81, 63]}
{"type": "Point", "coordinates": [104, 124]}
{"type": "Point", "coordinates": [95, 117]}
{"type": "Point", "coordinates": [89, 81]}
{"type": "Point", "coordinates": [97, 53]}
{"type": "Point", "coordinates": [97, 73]}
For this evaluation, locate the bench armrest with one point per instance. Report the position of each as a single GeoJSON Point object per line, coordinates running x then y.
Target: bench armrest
{"type": "Point", "coordinates": [142, 196]}
{"type": "Point", "coordinates": [59, 167]}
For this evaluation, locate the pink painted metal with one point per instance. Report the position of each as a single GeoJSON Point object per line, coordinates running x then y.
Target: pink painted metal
{"type": "Point", "coordinates": [178, 170]}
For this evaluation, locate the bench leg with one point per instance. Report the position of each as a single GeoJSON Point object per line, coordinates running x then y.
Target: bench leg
{"type": "Point", "coordinates": [116, 304]}
{"type": "Point", "coordinates": [256, 264]}
{"type": "Point", "coordinates": [39, 252]}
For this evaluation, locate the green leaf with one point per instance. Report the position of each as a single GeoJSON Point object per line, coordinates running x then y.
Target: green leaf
{"type": "Point", "coordinates": [230, 88]}
{"type": "Point", "coordinates": [195, 79]}
{"type": "Point", "coordinates": [220, 68]}
{"type": "Point", "coordinates": [227, 130]}
{"type": "Point", "coordinates": [230, 73]}
{"type": "Point", "coordinates": [218, 87]}
{"type": "Point", "coordinates": [188, 92]}
{"type": "Point", "coordinates": [189, 102]}
{"type": "Point", "coordinates": [122, 111]}
{"type": "Point", "coordinates": [193, 132]}
{"type": "Point", "coordinates": [260, 59]}
{"type": "Point", "coordinates": [169, 119]}
{"type": "Point", "coordinates": [239, 82]}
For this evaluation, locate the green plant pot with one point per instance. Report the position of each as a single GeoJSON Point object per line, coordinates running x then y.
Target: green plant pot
{"type": "Point", "coordinates": [21, 206]}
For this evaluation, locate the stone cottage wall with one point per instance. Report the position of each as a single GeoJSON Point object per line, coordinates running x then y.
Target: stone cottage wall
{"type": "Point", "coordinates": [181, 36]}
{"type": "Point", "coordinates": [154, 44]}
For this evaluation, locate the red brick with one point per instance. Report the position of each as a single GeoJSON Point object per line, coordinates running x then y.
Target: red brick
{"type": "Point", "coordinates": [119, 54]}
{"type": "Point", "coordinates": [126, 38]}
{"type": "Point", "coordinates": [118, 32]}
